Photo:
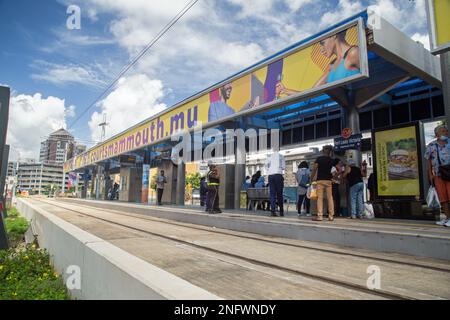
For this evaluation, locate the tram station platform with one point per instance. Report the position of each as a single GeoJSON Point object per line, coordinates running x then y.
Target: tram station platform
{"type": "Point", "coordinates": [417, 238]}
{"type": "Point", "coordinates": [134, 255]}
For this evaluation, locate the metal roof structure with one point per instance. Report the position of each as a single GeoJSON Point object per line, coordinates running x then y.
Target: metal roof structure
{"type": "Point", "coordinates": [395, 63]}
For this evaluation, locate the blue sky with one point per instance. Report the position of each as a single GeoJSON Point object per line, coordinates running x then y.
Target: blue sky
{"type": "Point", "coordinates": [55, 73]}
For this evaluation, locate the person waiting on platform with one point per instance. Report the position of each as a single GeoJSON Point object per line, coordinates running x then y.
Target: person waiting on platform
{"type": "Point", "coordinates": [438, 160]}
{"type": "Point", "coordinates": [247, 183]}
{"type": "Point", "coordinates": [336, 183]}
{"type": "Point", "coordinates": [203, 191]}
{"type": "Point", "coordinates": [160, 181]}
{"type": "Point", "coordinates": [275, 168]}
{"type": "Point", "coordinates": [261, 184]}
{"type": "Point", "coordinates": [322, 175]}
{"type": "Point", "coordinates": [213, 179]}
{"type": "Point", "coordinates": [303, 177]}
{"type": "Point", "coordinates": [255, 179]}
{"type": "Point", "coordinates": [355, 183]}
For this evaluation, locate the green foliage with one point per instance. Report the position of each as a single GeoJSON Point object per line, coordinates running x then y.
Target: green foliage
{"type": "Point", "coordinates": [194, 180]}
{"type": "Point", "coordinates": [15, 225]}
{"type": "Point", "coordinates": [12, 212]}
{"type": "Point", "coordinates": [26, 274]}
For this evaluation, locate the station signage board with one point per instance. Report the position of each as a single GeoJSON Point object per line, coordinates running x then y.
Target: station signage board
{"type": "Point", "coordinates": [301, 71]}
{"type": "Point", "coordinates": [352, 142]}
{"type": "Point", "coordinates": [438, 12]}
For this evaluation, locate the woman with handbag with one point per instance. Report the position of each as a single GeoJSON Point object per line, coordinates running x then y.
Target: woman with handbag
{"type": "Point", "coordinates": [438, 155]}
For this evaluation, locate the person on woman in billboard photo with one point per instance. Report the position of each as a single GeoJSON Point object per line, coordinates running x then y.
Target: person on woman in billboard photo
{"type": "Point", "coordinates": [220, 109]}
{"type": "Point", "coordinates": [346, 62]}
{"type": "Point", "coordinates": [438, 155]}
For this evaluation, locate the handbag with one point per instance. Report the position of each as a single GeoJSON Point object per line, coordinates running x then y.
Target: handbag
{"type": "Point", "coordinates": [444, 171]}
{"type": "Point", "coordinates": [312, 192]}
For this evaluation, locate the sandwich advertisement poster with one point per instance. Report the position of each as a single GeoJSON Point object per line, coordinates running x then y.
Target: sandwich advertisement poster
{"type": "Point", "coordinates": [397, 162]}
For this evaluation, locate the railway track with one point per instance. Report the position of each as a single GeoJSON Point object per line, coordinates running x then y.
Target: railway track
{"type": "Point", "coordinates": [345, 284]}
{"type": "Point", "coordinates": [272, 241]}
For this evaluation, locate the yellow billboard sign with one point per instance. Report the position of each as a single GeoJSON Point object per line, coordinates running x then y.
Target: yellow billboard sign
{"type": "Point", "coordinates": [439, 25]}
{"type": "Point", "coordinates": [334, 58]}
{"type": "Point", "coordinates": [397, 162]}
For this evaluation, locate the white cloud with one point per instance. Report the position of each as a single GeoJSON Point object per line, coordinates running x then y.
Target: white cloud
{"type": "Point", "coordinates": [422, 38]}
{"type": "Point", "coordinates": [405, 15]}
{"type": "Point", "coordinates": [135, 98]}
{"type": "Point", "coordinates": [250, 8]}
{"type": "Point", "coordinates": [31, 119]}
{"type": "Point", "coordinates": [67, 74]}
{"type": "Point", "coordinates": [240, 55]}
{"type": "Point", "coordinates": [297, 4]}
{"type": "Point", "coordinates": [345, 9]}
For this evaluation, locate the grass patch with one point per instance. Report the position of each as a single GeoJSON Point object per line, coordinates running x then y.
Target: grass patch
{"type": "Point", "coordinates": [16, 227]}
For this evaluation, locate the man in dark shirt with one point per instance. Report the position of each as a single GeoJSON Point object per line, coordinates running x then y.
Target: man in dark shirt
{"type": "Point", "coordinates": [321, 173]}
{"type": "Point", "coordinates": [356, 185]}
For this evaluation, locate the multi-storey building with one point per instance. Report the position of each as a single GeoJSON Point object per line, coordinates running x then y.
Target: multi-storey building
{"type": "Point", "coordinates": [36, 177]}
{"type": "Point", "coordinates": [54, 149]}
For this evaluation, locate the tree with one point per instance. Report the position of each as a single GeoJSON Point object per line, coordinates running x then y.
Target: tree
{"type": "Point", "coordinates": [193, 179]}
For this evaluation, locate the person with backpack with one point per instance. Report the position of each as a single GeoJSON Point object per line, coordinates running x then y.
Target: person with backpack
{"type": "Point", "coordinates": [303, 177]}
{"type": "Point", "coordinates": [438, 160]}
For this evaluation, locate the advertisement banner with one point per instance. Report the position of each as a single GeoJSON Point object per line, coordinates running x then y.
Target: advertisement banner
{"type": "Point", "coordinates": [73, 179]}
{"type": "Point", "coordinates": [337, 57]}
{"type": "Point", "coordinates": [439, 25]}
{"type": "Point", "coordinates": [397, 162]}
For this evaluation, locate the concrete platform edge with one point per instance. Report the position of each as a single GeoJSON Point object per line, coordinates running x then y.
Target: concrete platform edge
{"type": "Point", "coordinates": [107, 272]}
{"type": "Point", "coordinates": [382, 241]}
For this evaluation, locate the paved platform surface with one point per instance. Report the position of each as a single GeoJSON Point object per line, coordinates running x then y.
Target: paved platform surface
{"type": "Point", "coordinates": [237, 265]}
{"type": "Point", "coordinates": [414, 226]}
{"type": "Point", "coordinates": [419, 238]}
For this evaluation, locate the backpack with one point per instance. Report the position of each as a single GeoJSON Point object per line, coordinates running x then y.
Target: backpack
{"type": "Point", "coordinates": [304, 180]}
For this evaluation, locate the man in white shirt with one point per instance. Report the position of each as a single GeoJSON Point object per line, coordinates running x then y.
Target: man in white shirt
{"type": "Point", "coordinates": [275, 168]}
{"type": "Point", "coordinates": [160, 181]}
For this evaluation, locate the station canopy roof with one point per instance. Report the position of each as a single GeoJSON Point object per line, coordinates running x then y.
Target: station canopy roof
{"type": "Point", "coordinates": [307, 77]}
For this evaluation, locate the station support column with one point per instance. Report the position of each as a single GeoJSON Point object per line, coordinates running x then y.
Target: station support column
{"type": "Point", "coordinates": [239, 175]}
{"type": "Point", "coordinates": [85, 184]}
{"type": "Point", "coordinates": [445, 67]}
{"type": "Point", "coordinates": [107, 183]}
{"type": "Point", "coordinates": [97, 182]}
{"type": "Point", "coordinates": [93, 181]}
{"type": "Point", "coordinates": [181, 183]}
{"type": "Point", "coordinates": [352, 122]}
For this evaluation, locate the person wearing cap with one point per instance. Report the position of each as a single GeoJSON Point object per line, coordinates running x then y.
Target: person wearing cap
{"type": "Point", "coordinates": [322, 175]}
{"type": "Point", "coordinates": [355, 183]}
{"type": "Point", "coordinates": [275, 166]}
{"type": "Point", "coordinates": [437, 154]}
{"type": "Point", "coordinates": [213, 180]}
